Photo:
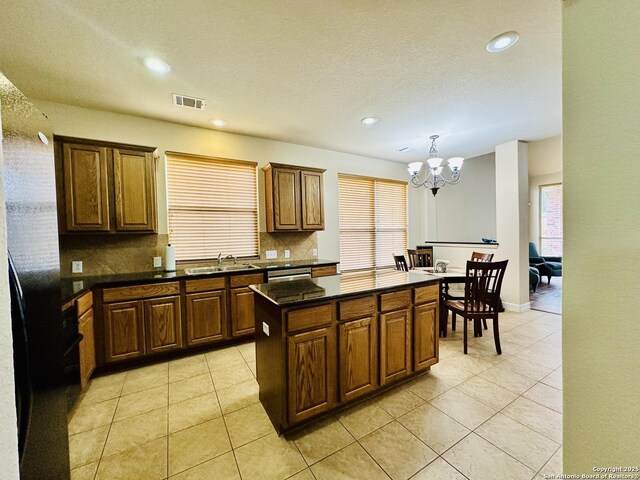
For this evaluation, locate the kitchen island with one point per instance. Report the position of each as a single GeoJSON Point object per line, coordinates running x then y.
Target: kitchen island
{"type": "Point", "coordinates": [322, 344]}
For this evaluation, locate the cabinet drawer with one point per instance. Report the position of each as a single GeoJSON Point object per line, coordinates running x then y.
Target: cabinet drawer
{"type": "Point", "coordinates": [426, 294]}
{"type": "Point", "coordinates": [358, 307]}
{"type": "Point", "coordinates": [140, 291]}
{"type": "Point", "coordinates": [84, 303]}
{"type": "Point", "coordinates": [204, 285]}
{"type": "Point", "coordinates": [309, 317]}
{"type": "Point", "coordinates": [244, 280]}
{"type": "Point", "coordinates": [395, 300]}
{"type": "Point", "coordinates": [324, 271]}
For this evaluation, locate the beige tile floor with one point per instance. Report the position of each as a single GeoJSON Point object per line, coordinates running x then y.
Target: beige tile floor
{"type": "Point", "coordinates": [477, 416]}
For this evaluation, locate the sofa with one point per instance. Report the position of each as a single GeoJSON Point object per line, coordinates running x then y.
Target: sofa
{"type": "Point", "coordinates": [534, 278]}
{"type": "Point", "coordinates": [547, 266]}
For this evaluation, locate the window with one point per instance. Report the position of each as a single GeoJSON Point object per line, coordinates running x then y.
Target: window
{"type": "Point", "coordinates": [551, 220]}
{"type": "Point", "coordinates": [213, 207]}
{"type": "Point", "coordinates": [373, 221]}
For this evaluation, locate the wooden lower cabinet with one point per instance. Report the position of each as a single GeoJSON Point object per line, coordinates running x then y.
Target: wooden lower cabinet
{"type": "Point", "coordinates": [357, 354]}
{"type": "Point", "coordinates": [206, 317]}
{"type": "Point", "coordinates": [163, 329]}
{"type": "Point", "coordinates": [311, 378]}
{"type": "Point", "coordinates": [425, 336]}
{"type": "Point", "coordinates": [123, 331]}
{"type": "Point", "coordinates": [242, 312]}
{"type": "Point", "coordinates": [395, 345]}
{"type": "Point", "coordinates": [87, 347]}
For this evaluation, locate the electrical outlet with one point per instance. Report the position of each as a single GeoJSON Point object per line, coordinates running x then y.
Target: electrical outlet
{"type": "Point", "coordinates": [265, 328]}
{"type": "Point", "coordinates": [315, 252]}
{"type": "Point", "coordinates": [157, 262]}
{"type": "Point", "coordinates": [271, 254]}
{"type": "Point", "coordinates": [287, 253]}
{"type": "Point", "coordinates": [76, 266]}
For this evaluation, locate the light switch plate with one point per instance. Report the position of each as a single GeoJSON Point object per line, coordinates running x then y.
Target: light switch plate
{"type": "Point", "coordinates": [76, 266]}
{"type": "Point", "coordinates": [287, 253]}
{"type": "Point", "coordinates": [315, 252]}
{"type": "Point", "coordinates": [265, 328]}
{"type": "Point", "coordinates": [271, 254]}
{"type": "Point", "coordinates": [157, 262]}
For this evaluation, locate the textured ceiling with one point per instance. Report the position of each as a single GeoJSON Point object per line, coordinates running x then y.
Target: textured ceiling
{"type": "Point", "coordinates": [301, 71]}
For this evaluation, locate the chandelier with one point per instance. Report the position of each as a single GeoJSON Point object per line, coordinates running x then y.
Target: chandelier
{"type": "Point", "coordinates": [435, 178]}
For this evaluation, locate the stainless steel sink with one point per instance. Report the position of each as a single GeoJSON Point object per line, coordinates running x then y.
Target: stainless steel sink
{"type": "Point", "coordinates": [217, 269]}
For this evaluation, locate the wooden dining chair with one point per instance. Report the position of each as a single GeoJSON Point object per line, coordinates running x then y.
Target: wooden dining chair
{"type": "Point", "coordinates": [401, 263]}
{"type": "Point", "coordinates": [422, 257]}
{"type": "Point", "coordinates": [481, 257]}
{"type": "Point", "coordinates": [475, 257]}
{"type": "Point", "coordinates": [481, 298]}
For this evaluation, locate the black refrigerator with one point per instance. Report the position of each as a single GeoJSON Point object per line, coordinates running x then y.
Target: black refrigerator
{"type": "Point", "coordinates": [38, 335]}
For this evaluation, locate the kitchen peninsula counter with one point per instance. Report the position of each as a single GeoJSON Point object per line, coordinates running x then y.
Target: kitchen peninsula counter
{"type": "Point", "coordinates": [324, 343]}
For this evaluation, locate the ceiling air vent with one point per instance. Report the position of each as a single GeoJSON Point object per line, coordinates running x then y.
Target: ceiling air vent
{"type": "Point", "coordinates": [188, 102]}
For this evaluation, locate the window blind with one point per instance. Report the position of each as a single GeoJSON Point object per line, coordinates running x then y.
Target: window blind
{"type": "Point", "coordinates": [213, 207]}
{"type": "Point", "coordinates": [373, 221]}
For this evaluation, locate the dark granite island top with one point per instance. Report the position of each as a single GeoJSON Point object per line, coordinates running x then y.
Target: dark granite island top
{"type": "Point", "coordinates": [324, 343]}
{"type": "Point", "coordinates": [298, 292]}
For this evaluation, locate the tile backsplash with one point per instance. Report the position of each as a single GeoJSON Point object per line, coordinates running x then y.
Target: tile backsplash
{"type": "Point", "coordinates": [108, 254]}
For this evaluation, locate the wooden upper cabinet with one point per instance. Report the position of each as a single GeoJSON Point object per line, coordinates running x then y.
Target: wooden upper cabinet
{"type": "Point", "coordinates": [135, 190]}
{"type": "Point", "coordinates": [86, 196]}
{"type": "Point", "coordinates": [105, 187]}
{"type": "Point", "coordinates": [312, 206]}
{"type": "Point", "coordinates": [293, 198]}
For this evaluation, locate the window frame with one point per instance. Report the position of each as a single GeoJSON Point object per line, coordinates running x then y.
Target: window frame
{"type": "Point", "coordinates": [540, 236]}
{"type": "Point", "coordinates": [219, 160]}
{"type": "Point", "coordinates": [376, 228]}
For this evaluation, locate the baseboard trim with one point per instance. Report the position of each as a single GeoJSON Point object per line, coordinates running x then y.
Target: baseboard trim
{"type": "Point", "coordinates": [514, 307]}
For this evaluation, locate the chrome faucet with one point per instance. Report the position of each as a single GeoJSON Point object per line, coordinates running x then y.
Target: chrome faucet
{"type": "Point", "coordinates": [230, 257]}
{"type": "Point", "coordinates": [219, 258]}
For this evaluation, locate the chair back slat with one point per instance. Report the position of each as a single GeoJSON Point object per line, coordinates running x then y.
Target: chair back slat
{"type": "Point", "coordinates": [401, 263]}
{"type": "Point", "coordinates": [422, 257]}
{"type": "Point", "coordinates": [482, 286]}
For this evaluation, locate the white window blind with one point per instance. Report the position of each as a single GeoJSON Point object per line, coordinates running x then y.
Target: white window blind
{"type": "Point", "coordinates": [373, 221]}
{"type": "Point", "coordinates": [213, 207]}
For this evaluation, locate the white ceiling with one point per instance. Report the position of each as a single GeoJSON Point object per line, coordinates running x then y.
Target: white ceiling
{"type": "Point", "coordinates": [303, 71]}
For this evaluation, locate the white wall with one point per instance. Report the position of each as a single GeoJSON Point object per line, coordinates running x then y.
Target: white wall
{"type": "Point", "coordinates": [100, 125]}
{"type": "Point", "coordinates": [466, 212]}
{"type": "Point", "coordinates": [601, 328]}
{"type": "Point", "coordinates": [8, 432]}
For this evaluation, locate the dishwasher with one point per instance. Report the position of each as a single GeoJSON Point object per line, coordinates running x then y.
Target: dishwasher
{"type": "Point", "coordinates": [288, 274]}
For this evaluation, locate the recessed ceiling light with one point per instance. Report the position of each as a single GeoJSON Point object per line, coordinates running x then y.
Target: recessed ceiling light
{"type": "Point", "coordinates": [156, 65]}
{"type": "Point", "coordinates": [369, 120]}
{"type": "Point", "coordinates": [218, 122]}
{"type": "Point", "coordinates": [502, 42]}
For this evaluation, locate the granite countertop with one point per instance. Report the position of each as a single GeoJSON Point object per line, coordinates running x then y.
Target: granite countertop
{"type": "Point", "coordinates": [297, 292]}
{"type": "Point", "coordinates": [72, 287]}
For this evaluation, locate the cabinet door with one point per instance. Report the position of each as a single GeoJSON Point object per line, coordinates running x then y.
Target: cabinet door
{"type": "Point", "coordinates": [312, 205]}
{"type": "Point", "coordinates": [135, 190]}
{"type": "Point", "coordinates": [358, 357]}
{"type": "Point", "coordinates": [242, 312]}
{"type": "Point", "coordinates": [395, 345]}
{"type": "Point", "coordinates": [86, 195]}
{"type": "Point", "coordinates": [87, 347]}
{"type": "Point", "coordinates": [312, 364]}
{"type": "Point", "coordinates": [425, 335]}
{"type": "Point", "coordinates": [206, 317]}
{"type": "Point", "coordinates": [286, 199]}
{"type": "Point", "coordinates": [163, 328]}
{"type": "Point", "coordinates": [123, 331]}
